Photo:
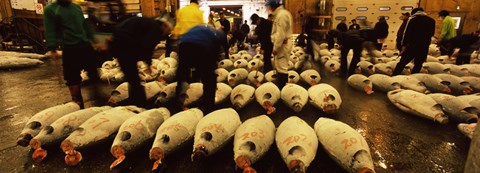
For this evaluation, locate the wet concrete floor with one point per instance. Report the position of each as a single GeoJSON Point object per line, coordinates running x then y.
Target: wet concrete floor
{"type": "Point", "coordinates": [399, 142]}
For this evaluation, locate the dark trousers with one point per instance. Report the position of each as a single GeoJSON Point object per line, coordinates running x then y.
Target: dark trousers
{"type": "Point", "coordinates": [78, 57]}
{"type": "Point", "coordinates": [357, 50]}
{"type": "Point", "coordinates": [446, 48]}
{"type": "Point", "coordinates": [463, 56]}
{"type": "Point", "coordinates": [419, 53]}
{"type": "Point", "coordinates": [267, 56]}
{"type": "Point", "coordinates": [204, 61]}
{"type": "Point", "coordinates": [127, 56]}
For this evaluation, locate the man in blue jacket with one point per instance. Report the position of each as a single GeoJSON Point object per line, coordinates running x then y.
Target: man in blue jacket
{"type": "Point", "coordinates": [200, 48]}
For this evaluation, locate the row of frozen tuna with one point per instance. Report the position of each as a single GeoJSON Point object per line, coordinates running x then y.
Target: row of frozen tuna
{"type": "Point", "coordinates": [424, 83]}
{"type": "Point", "coordinates": [322, 96]}
{"type": "Point", "coordinates": [414, 99]}
{"type": "Point", "coordinates": [296, 141]}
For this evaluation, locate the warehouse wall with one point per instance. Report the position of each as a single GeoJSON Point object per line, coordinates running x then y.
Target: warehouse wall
{"type": "Point", "coordinates": [468, 10]}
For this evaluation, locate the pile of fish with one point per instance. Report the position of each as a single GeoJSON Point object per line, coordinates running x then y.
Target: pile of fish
{"type": "Point", "coordinates": [437, 93]}
{"type": "Point", "coordinates": [132, 128]}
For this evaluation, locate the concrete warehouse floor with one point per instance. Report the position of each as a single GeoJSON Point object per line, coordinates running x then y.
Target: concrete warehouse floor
{"type": "Point", "coordinates": [399, 142]}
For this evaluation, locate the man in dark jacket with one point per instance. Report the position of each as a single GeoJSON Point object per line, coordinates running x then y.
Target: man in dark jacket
{"type": "Point", "coordinates": [381, 31]}
{"type": "Point", "coordinates": [66, 27]}
{"type": "Point", "coordinates": [352, 39]}
{"type": "Point", "coordinates": [401, 29]}
{"type": "Point", "coordinates": [200, 48]}
{"type": "Point", "coordinates": [225, 23]}
{"type": "Point", "coordinates": [342, 26]}
{"type": "Point", "coordinates": [134, 40]}
{"type": "Point", "coordinates": [354, 25]}
{"type": "Point", "coordinates": [263, 30]}
{"type": "Point", "coordinates": [416, 39]}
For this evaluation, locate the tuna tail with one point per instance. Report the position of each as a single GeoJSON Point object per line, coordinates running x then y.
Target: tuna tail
{"type": "Point", "coordinates": [39, 154]}
{"type": "Point", "coordinates": [24, 139]}
{"type": "Point", "coordinates": [243, 162]}
{"type": "Point", "coordinates": [368, 89]}
{"type": "Point", "coordinates": [269, 107]}
{"type": "Point", "coordinates": [73, 158]}
{"type": "Point", "coordinates": [296, 166]}
{"type": "Point", "coordinates": [119, 153]}
{"type": "Point", "coordinates": [156, 154]}
{"type": "Point", "coordinates": [249, 170]}
{"type": "Point", "coordinates": [199, 153]}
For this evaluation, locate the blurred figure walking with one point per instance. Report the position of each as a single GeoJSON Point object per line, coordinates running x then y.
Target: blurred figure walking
{"type": "Point", "coordinates": [416, 39]}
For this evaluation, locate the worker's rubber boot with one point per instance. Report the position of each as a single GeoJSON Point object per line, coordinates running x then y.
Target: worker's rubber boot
{"type": "Point", "coordinates": [76, 93]}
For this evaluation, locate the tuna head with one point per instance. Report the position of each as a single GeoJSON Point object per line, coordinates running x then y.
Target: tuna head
{"type": "Point", "coordinates": [24, 138]}
{"type": "Point", "coordinates": [244, 162]}
{"type": "Point", "coordinates": [200, 152]}
{"type": "Point", "coordinates": [361, 162]}
{"type": "Point", "coordinates": [294, 165]}
{"type": "Point", "coordinates": [119, 94]}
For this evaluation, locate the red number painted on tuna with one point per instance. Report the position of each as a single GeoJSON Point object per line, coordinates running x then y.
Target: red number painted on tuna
{"type": "Point", "coordinates": [348, 142]}
{"type": "Point", "coordinates": [294, 139]}
{"type": "Point", "coordinates": [104, 120]}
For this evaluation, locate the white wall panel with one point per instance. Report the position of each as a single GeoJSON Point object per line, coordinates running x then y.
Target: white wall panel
{"type": "Point", "coordinates": [373, 13]}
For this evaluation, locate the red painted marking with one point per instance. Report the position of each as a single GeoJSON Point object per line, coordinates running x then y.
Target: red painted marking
{"type": "Point", "coordinates": [69, 120]}
{"type": "Point", "coordinates": [104, 121]}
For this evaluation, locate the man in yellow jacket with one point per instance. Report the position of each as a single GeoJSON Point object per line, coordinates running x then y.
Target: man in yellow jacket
{"type": "Point", "coordinates": [448, 32]}
{"type": "Point", "coordinates": [187, 17]}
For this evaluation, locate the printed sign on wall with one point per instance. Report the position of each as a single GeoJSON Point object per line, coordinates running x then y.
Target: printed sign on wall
{"type": "Point", "coordinates": [23, 4]}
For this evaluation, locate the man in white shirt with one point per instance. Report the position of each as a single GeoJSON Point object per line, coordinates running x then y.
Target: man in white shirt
{"type": "Point", "coordinates": [281, 35]}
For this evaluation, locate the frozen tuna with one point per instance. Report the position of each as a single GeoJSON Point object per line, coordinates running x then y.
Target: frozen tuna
{"type": "Point", "coordinates": [241, 95]}
{"type": "Point", "coordinates": [226, 64]}
{"type": "Point", "coordinates": [253, 139]}
{"type": "Point", "coordinates": [255, 78]}
{"type": "Point", "coordinates": [433, 83]}
{"type": "Point", "coordinates": [418, 104]}
{"type": "Point", "coordinates": [297, 143]}
{"type": "Point", "coordinates": [271, 76]}
{"type": "Point", "coordinates": [325, 98]}
{"type": "Point", "coordinates": [95, 130]}
{"type": "Point", "coordinates": [255, 64]}
{"type": "Point", "coordinates": [237, 76]}
{"type": "Point", "coordinates": [360, 82]}
{"type": "Point", "coordinates": [267, 96]}
{"type": "Point", "coordinates": [435, 68]}
{"type": "Point", "coordinates": [240, 63]}
{"type": "Point", "coordinates": [409, 82]}
{"type": "Point", "coordinates": [332, 66]}
{"type": "Point", "coordinates": [457, 84]}
{"type": "Point", "coordinates": [167, 75]}
{"type": "Point", "coordinates": [365, 67]}
{"type": "Point", "coordinates": [457, 70]}
{"type": "Point", "coordinates": [383, 82]}
{"type": "Point", "coordinates": [214, 131]}
{"type": "Point", "coordinates": [473, 81]}
{"type": "Point", "coordinates": [456, 108]}
{"type": "Point", "coordinates": [311, 77]}
{"type": "Point", "coordinates": [174, 133]}
{"type": "Point", "coordinates": [135, 131]}
{"type": "Point", "coordinates": [120, 94]}
{"type": "Point", "coordinates": [60, 129]}
{"type": "Point", "coordinates": [382, 68]}
{"type": "Point", "coordinates": [192, 94]}
{"type": "Point", "coordinates": [294, 96]}
{"type": "Point", "coordinates": [344, 145]}
{"type": "Point", "coordinates": [42, 119]}
{"type": "Point", "coordinates": [467, 129]}
{"type": "Point", "coordinates": [222, 74]}
{"type": "Point", "coordinates": [222, 92]}
{"type": "Point", "coordinates": [166, 94]}
{"type": "Point", "coordinates": [293, 76]}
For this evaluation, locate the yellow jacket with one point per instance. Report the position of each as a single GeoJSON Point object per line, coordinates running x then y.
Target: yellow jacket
{"type": "Point", "coordinates": [187, 17]}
